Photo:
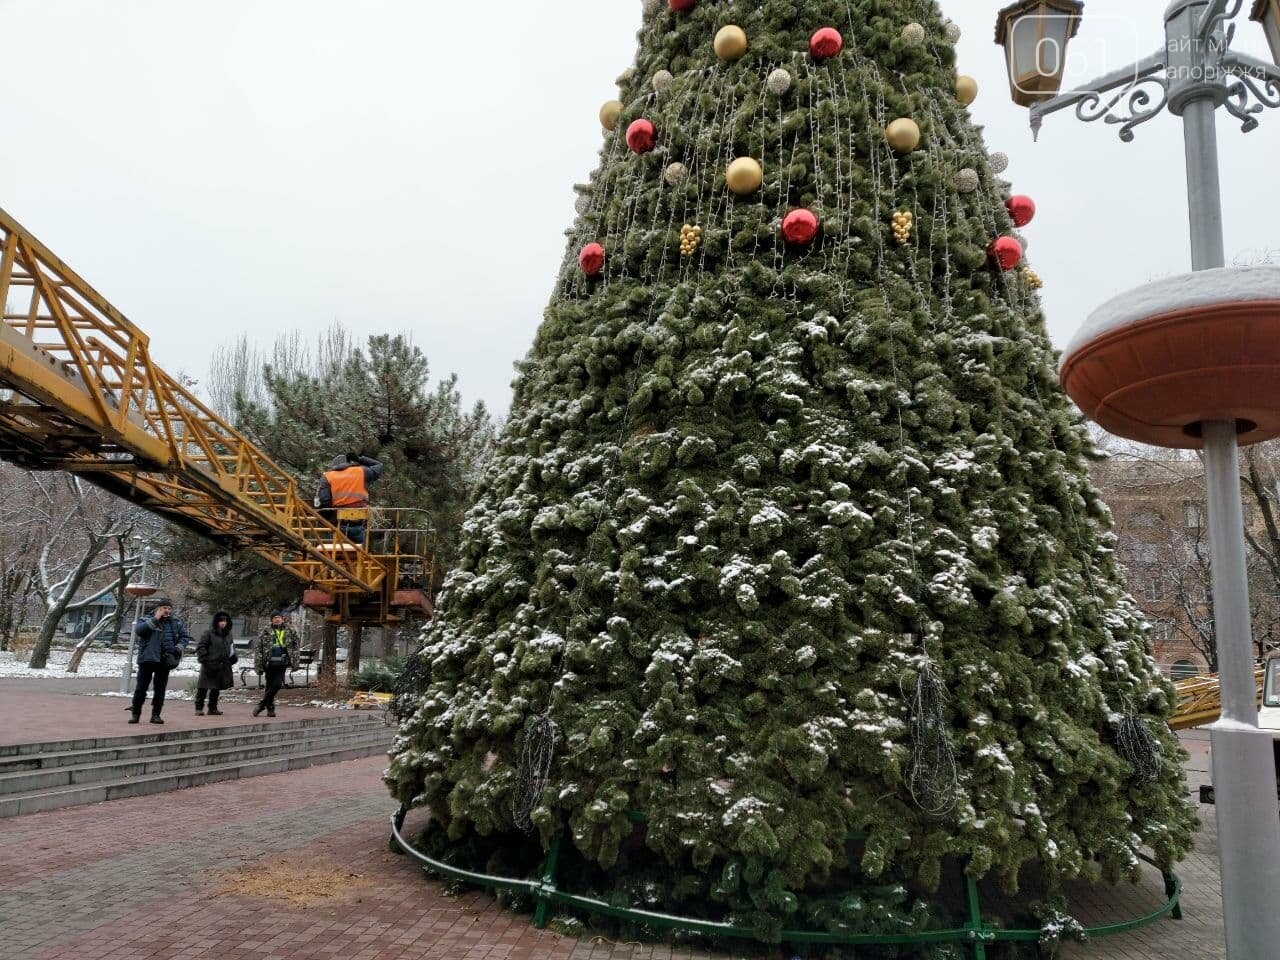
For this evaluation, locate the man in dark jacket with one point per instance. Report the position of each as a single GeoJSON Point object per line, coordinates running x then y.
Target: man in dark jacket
{"type": "Point", "coordinates": [162, 639]}
{"type": "Point", "coordinates": [345, 486]}
{"type": "Point", "coordinates": [216, 653]}
{"type": "Point", "coordinates": [277, 651]}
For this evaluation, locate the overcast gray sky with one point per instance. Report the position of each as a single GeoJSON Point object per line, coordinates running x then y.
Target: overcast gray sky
{"type": "Point", "coordinates": [261, 166]}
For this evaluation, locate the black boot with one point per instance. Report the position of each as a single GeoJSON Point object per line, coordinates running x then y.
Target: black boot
{"type": "Point", "coordinates": [213, 704]}
{"type": "Point", "coordinates": [134, 715]}
{"type": "Point", "coordinates": [258, 709]}
{"type": "Point", "coordinates": [215, 712]}
{"type": "Point", "coordinates": [155, 718]}
{"type": "Point", "coordinates": [271, 711]}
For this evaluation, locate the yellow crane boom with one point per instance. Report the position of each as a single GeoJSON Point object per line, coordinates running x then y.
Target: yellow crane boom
{"type": "Point", "coordinates": [79, 392]}
{"type": "Point", "coordinates": [1200, 700]}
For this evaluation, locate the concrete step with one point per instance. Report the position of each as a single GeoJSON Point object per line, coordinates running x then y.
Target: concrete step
{"type": "Point", "coordinates": [92, 768]}
{"type": "Point", "coordinates": [153, 745]}
{"type": "Point", "coordinates": [70, 796]}
{"type": "Point", "coordinates": [154, 735]}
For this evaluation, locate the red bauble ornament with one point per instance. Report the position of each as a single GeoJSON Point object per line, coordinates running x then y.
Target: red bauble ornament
{"type": "Point", "coordinates": [641, 136]}
{"type": "Point", "coordinates": [800, 226]}
{"type": "Point", "coordinates": [1022, 209]}
{"type": "Point", "coordinates": [680, 6]}
{"type": "Point", "coordinates": [591, 259]}
{"type": "Point", "coordinates": [826, 43]}
{"type": "Point", "coordinates": [1006, 252]}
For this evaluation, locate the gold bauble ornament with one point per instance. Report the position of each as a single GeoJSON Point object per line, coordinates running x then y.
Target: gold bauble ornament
{"type": "Point", "coordinates": [903, 134]}
{"type": "Point", "coordinates": [610, 113]}
{"type": "Point", "coordinates": [744, 176]}
{"type": "Point", "coordinates": [966, 90]}
{"type": "Point", "coordinates": [730, 42]}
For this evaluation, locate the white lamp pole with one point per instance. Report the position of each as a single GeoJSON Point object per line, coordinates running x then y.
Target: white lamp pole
{"type": "Point", "coordinates": [1193, 75]}
{"type": "Point", "coordinates": [138, 589]}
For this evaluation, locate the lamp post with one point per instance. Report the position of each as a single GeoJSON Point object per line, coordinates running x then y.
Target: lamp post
{"type": "Point", "coordinates": [1193, 74]}
{"type": "Point", "coordinates": [138, 589]}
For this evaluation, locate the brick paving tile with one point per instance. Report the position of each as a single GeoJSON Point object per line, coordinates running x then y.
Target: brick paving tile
{"type": "Point", "coordinates": [153, 878]}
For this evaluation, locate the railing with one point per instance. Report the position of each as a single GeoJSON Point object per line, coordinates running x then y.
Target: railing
{"type": "Point", "coordinates": [976, 933]}
{"type": "Point", "coordinates": [84, 396]}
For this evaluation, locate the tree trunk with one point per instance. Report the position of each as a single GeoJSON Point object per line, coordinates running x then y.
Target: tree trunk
{"type": "Point", "coordinates": [73, 665]}
{"type": "Point", "coordinates": [329, 655]}
{"type": "Point", "coordinates": [353, 649]}
{"type": "Point", "coordinates": [40, 652]}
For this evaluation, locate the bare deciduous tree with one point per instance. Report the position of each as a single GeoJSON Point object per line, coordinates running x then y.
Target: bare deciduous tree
{"type": "Point", "coordinates": [80, 522]}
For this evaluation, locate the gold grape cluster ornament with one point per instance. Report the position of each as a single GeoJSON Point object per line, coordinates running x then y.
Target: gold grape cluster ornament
{"type": "Point", "coordinates": [903, 221]}
{"type": "Point", "coordinates": [1032, 278]}
{"type": "Point", "coordinates": [690, 238]}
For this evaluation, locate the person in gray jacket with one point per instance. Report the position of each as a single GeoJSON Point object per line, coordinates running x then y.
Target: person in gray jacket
{"type": "Point", "coordinates": [162, 639]}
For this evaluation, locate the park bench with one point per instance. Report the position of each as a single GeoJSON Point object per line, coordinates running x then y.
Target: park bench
{"type": "Point", "coordinates": [306, 658]}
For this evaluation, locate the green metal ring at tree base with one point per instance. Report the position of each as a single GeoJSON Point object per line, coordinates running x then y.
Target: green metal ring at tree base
{"type": "Point", "coordinates": [975, 933]}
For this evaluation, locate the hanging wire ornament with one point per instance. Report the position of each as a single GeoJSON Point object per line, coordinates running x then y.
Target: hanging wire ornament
{"type": "Point", "coordinates": [932, 777]}
{"type": "Point", "coordinates": [535, 770]}
{"type": "Point", "coordinates": [1136, 743]}
{"type": "Point", "coordinates": [412, 679]}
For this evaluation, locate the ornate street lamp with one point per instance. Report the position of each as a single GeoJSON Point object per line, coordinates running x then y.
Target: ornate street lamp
{"type": "Point", "coordinates": [1178, 364]}
{"type": "Point", "coordinates": [1267, 13]}
{"type": "Point", "coordinates": [1035, 34]}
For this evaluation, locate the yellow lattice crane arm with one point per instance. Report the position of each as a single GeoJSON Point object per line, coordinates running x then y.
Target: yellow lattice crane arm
{"type": "Point", "coordinates": [79, 392]}
{"type": "Point", "coordinates": [1200, 700]}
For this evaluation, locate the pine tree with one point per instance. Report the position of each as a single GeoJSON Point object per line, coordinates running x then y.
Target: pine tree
{"type": "Point", "coordinates": [791, 537]}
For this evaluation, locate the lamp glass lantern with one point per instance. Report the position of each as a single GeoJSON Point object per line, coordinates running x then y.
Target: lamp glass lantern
{"type": "Point", "coordinates": [1035, 35]}
{"type": "Point", "coordinates": [1267, 13]}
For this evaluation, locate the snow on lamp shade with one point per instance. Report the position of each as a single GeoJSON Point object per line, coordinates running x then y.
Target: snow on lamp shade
{"type": "Point", "coordinates": [1154, 364]}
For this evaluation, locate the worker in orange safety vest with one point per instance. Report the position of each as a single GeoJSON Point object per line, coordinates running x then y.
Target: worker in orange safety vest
{"type": "Point", "coordinates": [346, 485]}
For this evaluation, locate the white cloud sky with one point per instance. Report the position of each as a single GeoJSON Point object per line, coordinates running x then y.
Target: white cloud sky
{"type": "Point", "coordinates": [223, 167]}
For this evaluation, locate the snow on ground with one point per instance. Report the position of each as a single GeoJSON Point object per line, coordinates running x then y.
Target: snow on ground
{"type": "Point", "coordinates": [96, 663]}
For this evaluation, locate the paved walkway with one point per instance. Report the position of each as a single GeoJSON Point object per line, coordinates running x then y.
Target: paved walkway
{"type": "Point", "coordinates": [36, 711]}
{"type": "Point", "coordinates": [199, 873]}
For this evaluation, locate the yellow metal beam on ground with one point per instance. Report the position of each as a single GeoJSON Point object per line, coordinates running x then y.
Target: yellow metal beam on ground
{"type": "Point", "coordinates": [1200, 700]}
{"type": "Point", "coordinates": [79, 392]}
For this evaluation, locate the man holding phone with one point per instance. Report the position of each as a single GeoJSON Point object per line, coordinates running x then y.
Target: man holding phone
{"type": "Point", "coordinates": [162, 639]}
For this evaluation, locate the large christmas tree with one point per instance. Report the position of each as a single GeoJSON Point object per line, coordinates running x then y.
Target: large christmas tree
{"type": "Point", "coordinates": [789, 535]}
